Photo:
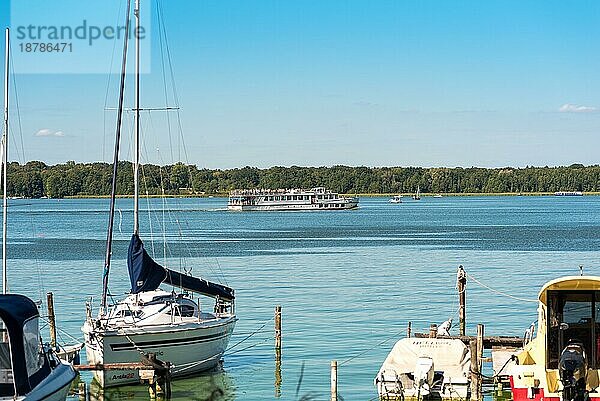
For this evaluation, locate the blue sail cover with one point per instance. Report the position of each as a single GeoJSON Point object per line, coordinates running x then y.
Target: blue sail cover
{"type": "Point", "coordinates": [146, 275]}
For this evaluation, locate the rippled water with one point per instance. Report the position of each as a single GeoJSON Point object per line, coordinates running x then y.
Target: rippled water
{"type": "Point", "coordinates": [348, 281]}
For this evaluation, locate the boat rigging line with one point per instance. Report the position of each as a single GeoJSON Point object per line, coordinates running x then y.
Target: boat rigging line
{"type": "Point", "coordinates": [251, 334]}
{"type": "Point", "coordinates": [498, 291]}
{"type": "Point", "coordinates": [394, 336]}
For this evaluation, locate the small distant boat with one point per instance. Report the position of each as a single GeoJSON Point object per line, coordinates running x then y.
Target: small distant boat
{"type": "Point", "coordinates": [419, 368]}
{"type": "Point", "coordinates": [396, 199]}
{"type": "Point", "coordinates": [289, 199]}
{"type": "Point", "coordinates": [568, 193]}
{"type": "Point", "coordinates": [437, 195]}
{"type": "Point", "coordinates": [417, 195]}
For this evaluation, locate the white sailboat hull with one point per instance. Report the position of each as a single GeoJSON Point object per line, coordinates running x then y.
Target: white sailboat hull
{"type": "Point", "coordinates": [189, 347]}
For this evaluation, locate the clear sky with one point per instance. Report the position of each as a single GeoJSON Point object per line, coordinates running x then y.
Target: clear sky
{"type": "Point", "coordinates": [312, 82]}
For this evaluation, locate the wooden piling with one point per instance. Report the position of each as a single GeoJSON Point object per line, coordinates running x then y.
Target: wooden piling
{"type": "Point", "coordinates": [277, 351]}
{"type": "Point", "coordinates": [409, 330]}
{"type": "Point", "coordinates": [82, 388]}
{"type": "Point", "coordinates": [480, 330]}
{"type": "Point", "coordinates": [334, 393]}
{"type": "Point", "coordinates": [278, 327]}
{"type": "Point", "coordinates": [433, 330]}
{"type": "Point", "coordinates": [51, 319]}
{"type": "Point", "coordinates": [475, 389]}
{"type": "Point", "coordinates": [461, 284]}
{"type": "Point", "coordinates": [277, 373]}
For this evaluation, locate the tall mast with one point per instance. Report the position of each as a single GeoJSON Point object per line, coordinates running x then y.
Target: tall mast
{"type": "Point", "coordinates": [136, 162]}
{"type": "Point", "coordinates": [113, 194]}
{"type": "Point", "coordinates": [5, 166]}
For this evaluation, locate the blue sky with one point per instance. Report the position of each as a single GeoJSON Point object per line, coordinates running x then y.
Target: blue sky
{"type": "Point", "coordinates": [262, 83]}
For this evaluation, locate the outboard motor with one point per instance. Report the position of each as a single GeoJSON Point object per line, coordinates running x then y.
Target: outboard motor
{"type": "Point", "coordinates": [423, 376]}
{"type": "Point", "coordinates": [572, 367]}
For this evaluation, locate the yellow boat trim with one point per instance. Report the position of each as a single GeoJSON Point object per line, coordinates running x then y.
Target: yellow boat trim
{"type": "Point", "coordinates": [589, 283]}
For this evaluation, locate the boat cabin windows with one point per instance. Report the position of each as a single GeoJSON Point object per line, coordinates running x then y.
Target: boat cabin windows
{"type": "Point", "coordinates": [573, 316]}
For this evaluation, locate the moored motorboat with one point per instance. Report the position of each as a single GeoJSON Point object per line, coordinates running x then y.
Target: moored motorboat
{"type": "Point", "coordinates": [28, 370]}
{"type": "Point", "coordinates": [425, 367]}
{"type": "Point", "coordinates": [562, 361]}
{"type": "Point", "coordinates": [396, 199]}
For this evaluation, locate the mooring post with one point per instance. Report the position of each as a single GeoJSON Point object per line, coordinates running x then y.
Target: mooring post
{"type": "Point", "coordinates": [461, 286]}
{"type": "Point", "coordinates": [277, 373]}
{"type": "Point", "coordinates": [409, 330]}
{"type": "Point", "coordinates": [475, 394]}
{"type": "Point", "coordinates": [278, 327]}
{"type": "Point", "coordinates": [51, 318]}
{"type": "Point", "coordinates": [82, 390]}
{"type": "Point", "coordinates": [334, 381]}
{"type": "Point", "coordinates": [480, 330]}
{"type": "Point", "coordinates": [433, 330]}
{"type": "Point", "coordinates": [277, 351]}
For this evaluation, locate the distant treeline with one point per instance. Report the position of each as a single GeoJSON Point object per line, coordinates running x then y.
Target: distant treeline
{"type": "Point", "coordinates": [36, 179]}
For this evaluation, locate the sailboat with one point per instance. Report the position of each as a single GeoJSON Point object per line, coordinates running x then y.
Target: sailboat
{"type": "Point", "coordinates": [28, 369]}
{"type": "Point", "coordinates": [417, 195]}
{"type": "Point", "coordinates": [149, 320]}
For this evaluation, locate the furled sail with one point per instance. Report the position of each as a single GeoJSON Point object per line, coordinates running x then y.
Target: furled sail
{"type": "Point", "coordinates": [146, 275]}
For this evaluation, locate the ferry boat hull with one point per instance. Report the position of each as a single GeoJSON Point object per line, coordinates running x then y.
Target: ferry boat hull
{"type": "Point", "coordinates": [292, 207]}
{"type": "Point", "coordinates": [190, 348]}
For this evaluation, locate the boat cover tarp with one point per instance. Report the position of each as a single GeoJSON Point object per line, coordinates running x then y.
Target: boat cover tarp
{"type": "Point", "coordinates": [450, 356]}
{"type": "Point", "coordinates": [146, 275]}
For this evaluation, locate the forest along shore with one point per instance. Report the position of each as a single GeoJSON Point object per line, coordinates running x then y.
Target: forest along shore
{"type": "Point", "coordinates": [35, 179]}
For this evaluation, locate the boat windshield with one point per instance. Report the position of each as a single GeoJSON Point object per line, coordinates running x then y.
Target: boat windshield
{"type": "Point", "coordinates": [34, 357]}
{"type": "Point", "coordinates": [573, 316]}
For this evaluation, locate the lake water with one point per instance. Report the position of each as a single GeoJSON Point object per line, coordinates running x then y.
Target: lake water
{"type": "Point", "coordinates": [348, 281]}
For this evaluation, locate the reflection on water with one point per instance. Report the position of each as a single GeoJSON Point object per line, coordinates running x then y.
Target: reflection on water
{"type": "Point", "coordinates": [214, 386]}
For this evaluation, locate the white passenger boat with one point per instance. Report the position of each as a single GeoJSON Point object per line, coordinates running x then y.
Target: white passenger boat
{"type": "Point", "coordinates": [289, 199]}
{"type": "Point", "coordinates": [425, 368]}
{"type": "Point", "coordinates": [568, 193]}
{"type": "Point", "coordinates": [171, 325]}
{"type": "Point", "coordinates": [396, 199]}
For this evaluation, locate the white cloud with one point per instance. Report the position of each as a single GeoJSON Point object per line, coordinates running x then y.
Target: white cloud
{"type": "Point", "coordinates": [575, 108]}
{"type": "Point", "coordinates": [49, 132]}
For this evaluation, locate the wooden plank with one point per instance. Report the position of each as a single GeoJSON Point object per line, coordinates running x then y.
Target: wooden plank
{"type": "Point", "coordinates": [488, 341]}
{"type": "Point", "coordinates": [112, 366]}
